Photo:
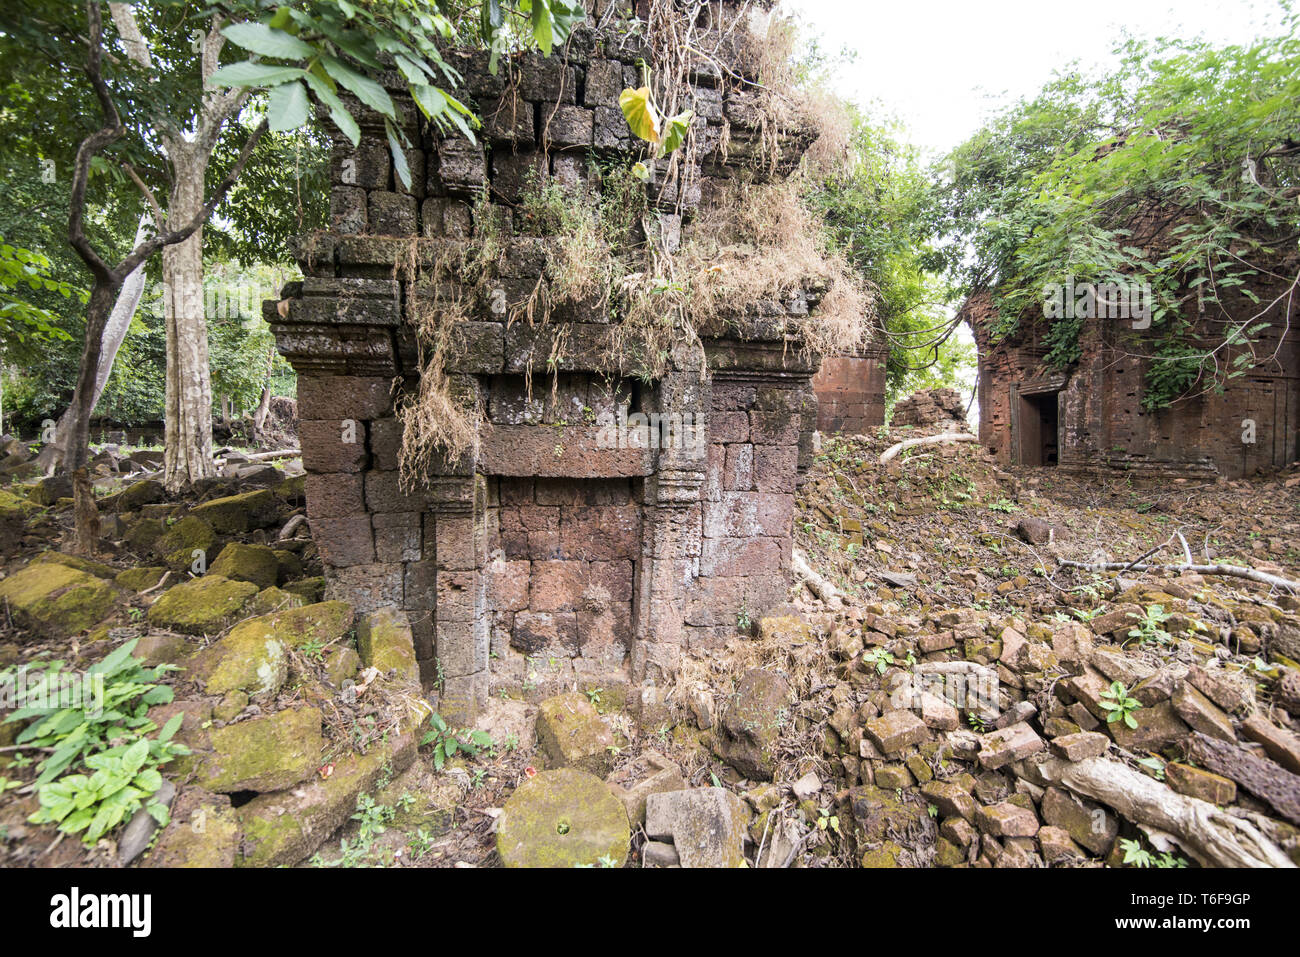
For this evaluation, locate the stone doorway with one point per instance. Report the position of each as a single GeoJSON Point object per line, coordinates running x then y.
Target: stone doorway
{"type": "Point", "coordinates": [1039, 428]}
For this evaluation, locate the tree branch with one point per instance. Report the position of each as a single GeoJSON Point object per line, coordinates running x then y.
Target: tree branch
{"type": "Point", "coordinates": [144, 251]}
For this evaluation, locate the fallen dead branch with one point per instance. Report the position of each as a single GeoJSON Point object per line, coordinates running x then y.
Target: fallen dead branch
{"type": "Point", "coordinates": [262, 456]}
{"type": "Point", "coordinates": [820, 586]}
{"type": "Point", "coordinates": [1235, 571]}
{"type": "Point", "coordinates": [1267, 781]}
{"type": "Point", "coordinates": [893, 450]}
{"type": "Point", "coordinates": [1212, 836]}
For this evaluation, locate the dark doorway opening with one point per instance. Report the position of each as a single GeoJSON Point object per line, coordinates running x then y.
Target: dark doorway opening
{"type": "Point", "coordinates": [1039, 443]}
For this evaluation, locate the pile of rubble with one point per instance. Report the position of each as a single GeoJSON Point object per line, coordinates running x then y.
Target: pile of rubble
{"type": "Point", "coordinates": [944, 408]}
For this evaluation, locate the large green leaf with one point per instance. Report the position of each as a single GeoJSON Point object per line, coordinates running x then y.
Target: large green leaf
{"type": "Point", "coordinates": [365, 89]}
{"type": "Point", "coordinates": [338, 112]}
{"type": "Point", "coordinates": [248, 73]}
{"type": "Point", "coordinates": [400, 166]}
{"type": "Point", "coordinates": [287, 107]}
{"type": "Point", "coordinates": [675, 134]}
{"type": "Point", "coordinates": [263, 39]}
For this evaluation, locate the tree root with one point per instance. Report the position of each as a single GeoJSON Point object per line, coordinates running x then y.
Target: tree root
{"type": "Point", "coordinates": [1235, 571]}
{"type": "Point", "coordinates": [893, 450]}
{"type": "Point", "coordinates": [1213, 837]}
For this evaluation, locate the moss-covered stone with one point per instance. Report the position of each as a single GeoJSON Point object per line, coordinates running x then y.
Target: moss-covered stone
{"type": "Point", "coordinates": [384, 641]}
{"type": "Point", "coordinates": [56, 600]}
{"type": "Point", "coordinates": [144, 534]}
{"type": "Point", "coordinates": [47, 491]}
{"type": "Point", "coordinates": [140, 579]}
{"type": "Point", "coordinates": [246, 660]}
{"type": "Point", "coordinates": [230, 706]}
{"type": "Point", "coordinates": [98, 569]}
{"type": "Point", "coordinates": [293, 490]}
{"type": "Point", "coordinates": [134, 496]}
{"type": "Point", "coordinates": [886, 855]}
{"type": "Point", "coordinates": [317, 624]}
{"type": "Point", "coordinates": [752, 721]}
{"type": "Point", "coordinates": [285, 827]}
{"type": "Point", "coordinates": [562, 818]}
{"type": "Point", "coordinates": [572, 735]}
{"type": "Point", "coordinates": [163, 649]}
{"type": "Point", "coordinates": [341, 663]}
{"type": "Point", "coordinates": [290, 565]}
{"type": "Point", "coordinates": [311, 589]}
{"type": "Point", "coordinates": [273, 599]}
{"type": "Point", "coordinates": [201, 606]}
{"type": "Point", "coordinates": [179, 545]}
{"type": "Point", "coordinates": [263, 754]}
{"type": "Point", "coordinates": [13, 507]}
{"type": "Point", "coordinates": [204, 832]}
{"type": "Point", "coordinates": [247, 563]}
{"type": "Point", "coordinates": [236, 514]}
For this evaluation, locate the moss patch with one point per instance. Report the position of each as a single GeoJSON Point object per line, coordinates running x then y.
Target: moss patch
{"type": "Point", "coordinates": [562, 818]}
{"type": "Point", "coordinates": [203, 606]}
{"type": "Point", "coordinates": [57, 600]}
{"type": "Point", "coordinates": [247, 563]}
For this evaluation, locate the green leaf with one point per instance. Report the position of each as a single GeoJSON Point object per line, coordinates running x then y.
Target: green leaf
{"type": "Point", "coordinates": [641, 115]}
{"type": "Point", "coordinates": [542, 26]}
{"type": "Point", "coordinates": [287, 107]}
{"type": "Point", "coordinates": [264, 39]}
{"type": "Point", "coordinates": [365, 89]}
{"type": "Point", "coordinates": [677, 129]}
{"type": "Point", "coordinates": [248, 73]}
{"type": "Point", "coordinates": [135, 756]}
{"type": "Point", "coordinates": [338, 112]}
{"type": "Point", "coordinates": [400, 166]}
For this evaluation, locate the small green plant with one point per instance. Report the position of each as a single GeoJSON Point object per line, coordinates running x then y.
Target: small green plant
{"type": "Point", "coordinates": [1154, 765]}
{"type": "Point", "coordinates": [1135, 854]}
{"type": "Point", "coordinates": [975, 721]}
{"type": "Point", "coordinates": [1119, 704]}
{"type": "Point", "coordinates": [373, 818]}
{"type": "Point", "coordinates": [828, 821]}
{"type": "Point", "coordinates": [1004, 505]}
{"type": "Point", "coordinates": [447, 742]}
{"type": "Point", "coordinates": [1150, 626]}
{"type": "Point", "coordinates": [112, 706]}
{"type": "Point", "coordinates": [879, 658]}
{"type": "Point", "coordinates": [593, 695]}
{"type": "Point", "coordinates": [122, 780]}
{"type": "Point", "coordinates": [421, 843]}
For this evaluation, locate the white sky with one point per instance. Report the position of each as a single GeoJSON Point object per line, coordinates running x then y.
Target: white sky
{"type": "Point", "coordinates": [934, 64]}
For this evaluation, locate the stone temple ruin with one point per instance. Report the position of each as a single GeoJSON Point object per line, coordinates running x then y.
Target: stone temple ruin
{"type": "Point", "coordinates": [851, 390]}
{"type": "Point", "coordinates": [1090, 417]}
{"type": "Point", "coordinates": [569, 541]}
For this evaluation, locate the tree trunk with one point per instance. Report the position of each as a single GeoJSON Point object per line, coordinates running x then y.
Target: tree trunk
{"type": "Point", "coordinates": [119, 321]}
{"type": "Point", "coordinates": [188, 454]}
{"type": "Point", "coordinates": [86, 540]}
{"type": "Point", "coordinates": [264, 402]}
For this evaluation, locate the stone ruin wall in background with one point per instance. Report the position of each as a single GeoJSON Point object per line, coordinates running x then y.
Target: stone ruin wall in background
{"type": "Point", "coordinates": [1103, 425]}
{"type": "Point", "coordinates": [851, 391]}
{"type": "Point", "coordinates": [545, 558]}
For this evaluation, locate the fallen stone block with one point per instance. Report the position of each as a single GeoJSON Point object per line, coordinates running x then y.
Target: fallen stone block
{"type": "Point", "coordinates": [563, 818]}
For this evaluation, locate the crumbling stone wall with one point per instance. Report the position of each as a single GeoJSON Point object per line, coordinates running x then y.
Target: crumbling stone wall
{"type": "Point", "coordinates": [944, 408]}
{"type": "Point", "coordinates": [1098, 401]}
{"type": "Point", "coordinates": [546, 554]}
{"type": "Point", "coordinates": [851, 391]}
